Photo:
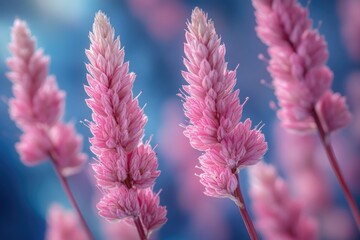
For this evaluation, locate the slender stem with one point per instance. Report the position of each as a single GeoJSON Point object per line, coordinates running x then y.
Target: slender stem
{"type": "Point", "coordinates": [140, 228]}
{"type": "Point", "coordinates": [69, 194]}
{"type": "Point", "coordinates": [324, 136]}
{"type": "Point", "coordinates": [244, 213]}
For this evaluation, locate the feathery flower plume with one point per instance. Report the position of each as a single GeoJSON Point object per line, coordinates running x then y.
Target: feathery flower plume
{"type": "Point", "coordinates": [127, 168]}
{"type": "Point", "coordinates": [214, 112]}
{"type": "Point", "coordinates": [62, 224]}
{"type": "Point", "coordinates": [301, 79]}
{"type": "Point", "coordinates": [278, 216]}
{"type": "Point", "coordinates": [37, 108]}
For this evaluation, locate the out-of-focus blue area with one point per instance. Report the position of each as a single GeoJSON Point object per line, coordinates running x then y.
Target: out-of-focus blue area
{"type": "Point", "coordinates": [155, 52]}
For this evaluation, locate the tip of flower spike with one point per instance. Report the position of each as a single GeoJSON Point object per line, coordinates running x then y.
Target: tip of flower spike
{"type": "Point", "coordinates": [199, 22]}
{"type": "Point", "coordinates": [101, 27]}
{"type": "Point", "coordinates": [22, 42]}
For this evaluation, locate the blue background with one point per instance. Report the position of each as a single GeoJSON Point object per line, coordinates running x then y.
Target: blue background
{"type": "Point", "coordinates": [61, 28]}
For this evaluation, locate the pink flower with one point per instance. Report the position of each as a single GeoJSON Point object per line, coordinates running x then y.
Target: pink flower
{"type": "Point", "coordinates": [37, 98]}
{"type": "Point", "coordinates": [153, 216]}
{"type": "Point", "coordinates": [66, 148]}
{"type": "Point", "coordinates": [38, 105]}
{"type": "Point", "coordinates": [63, 225]}
{"type": "Point", "coordinates": [277, 215]}
{"type": "Point", "coordinates": [33, 147]}
{"type": "Point", "coordinates": [126, 167]}
{"type": "Point", "coordinates": [120, 203]}
{"type": "Point", "coordinates": [298, 56]}
{"type": "Point", "coordinates": [334, 112]}
{"type": "Point", "coordinates": [214, 111]}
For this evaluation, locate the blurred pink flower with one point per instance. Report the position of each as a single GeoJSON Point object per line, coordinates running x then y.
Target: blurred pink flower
{"type": "Point", "coordinates": [62, 224]}
{"type": "Point", "coordinates": [298, 67]}
{"type": "Point", "coordinates": [214, 111]}
{"type": "Point", "coordinates": [37, 107]}
{"type": "Point", "coordinates": [350, 26]}
{"type": "Point", "coordinates": [353, 90]}
{"type": "Point", "coordinates": [309, 179]}
{"type": "Point", "coordinates": [277, 215]}
{"type": "Point", "coordinates": [163, 19]}
{"type": "Point", "coordinates": [126, 166]}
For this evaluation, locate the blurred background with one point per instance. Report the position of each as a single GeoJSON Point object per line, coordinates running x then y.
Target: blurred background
{"type": "Point", "coordinates": [152, 32]}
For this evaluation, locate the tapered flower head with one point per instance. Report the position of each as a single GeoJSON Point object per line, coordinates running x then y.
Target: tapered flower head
{"type": "Point", "coordinates": [298, 56]}
{"type": "Point", "coordinates": [37, 107]}
{"type": "Point", "coordinates": [214, 110]}
{"type": "Point", "coordinates": [37, 98]}
{"type": "Point", "coordinates": [126, 168]}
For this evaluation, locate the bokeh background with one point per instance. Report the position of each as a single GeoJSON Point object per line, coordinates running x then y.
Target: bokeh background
{"type": "Point", "coordinates": [152, 32]}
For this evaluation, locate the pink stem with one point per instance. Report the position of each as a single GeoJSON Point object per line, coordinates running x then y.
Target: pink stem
{"type": "Point", "coordinates": [69, 194]}
{"type": "Point", "coordinates": [244, 213]}
{"type": "Point", "coordinates": [325, 139]}
{"type": "Point", "coordinates": [140, 228]}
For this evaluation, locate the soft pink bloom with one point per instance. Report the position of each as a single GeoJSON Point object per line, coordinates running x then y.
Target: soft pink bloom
{"type": "Point", "coordinates": [350, 26]}
{"type": "Point", "coordinates": [298, 56]}
{"type": "Point", "coordinates": [34, 146]}
{"type": "Point", "coordinates": [37, 98]}
{"type": "Point", "coordinates": [38, 105]}
{"type": "Point", "coordinates": [63, 224]}
{"type": "Point", "coordinates": [126, 167]}
{"type": "Point", "coordinates": [119, 203]}
{"type": "Point", "coordinates": [163, 19]}
{"type": "Point", "coordinates": [214, 111]}
{"type": "Point", "coordinates": [66, 148]}
{"type": "Point", "coordinates": [277, 215]}
{"type": "Point", "coordinates": [152, 215]}
{"type": "Point", "coordinates": [300, 158]}
{"type": "Point", "coordinates": [335, 113]}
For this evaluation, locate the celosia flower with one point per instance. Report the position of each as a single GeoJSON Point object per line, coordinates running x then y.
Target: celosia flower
{"type": "Point", "coordinates": [277, 215]}
{"type": "Point", "coordinates": [214, 111]}
{"type": "Point", "coordinates": [38, 106]}
{"type": "Point", "coordinates": [62, 224]}
{"type": "Point", "coordinates": [298, 66]}
{"type": "Point", "coordinates": [126, 166]}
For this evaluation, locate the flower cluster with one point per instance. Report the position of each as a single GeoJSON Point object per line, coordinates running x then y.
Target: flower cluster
{"type": "Point", "coordinates": [63, 224]}
{"type": "Point", "coordinates": [214, 111]}
{"type": "Point", "coordinates": [126, 167]}
{"type": "Point", "coordinates": [298, 68]}
{"type": "Point", "coordinates": [277, 215]}
{"type": "Point", "coordinates": [37, 107]}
